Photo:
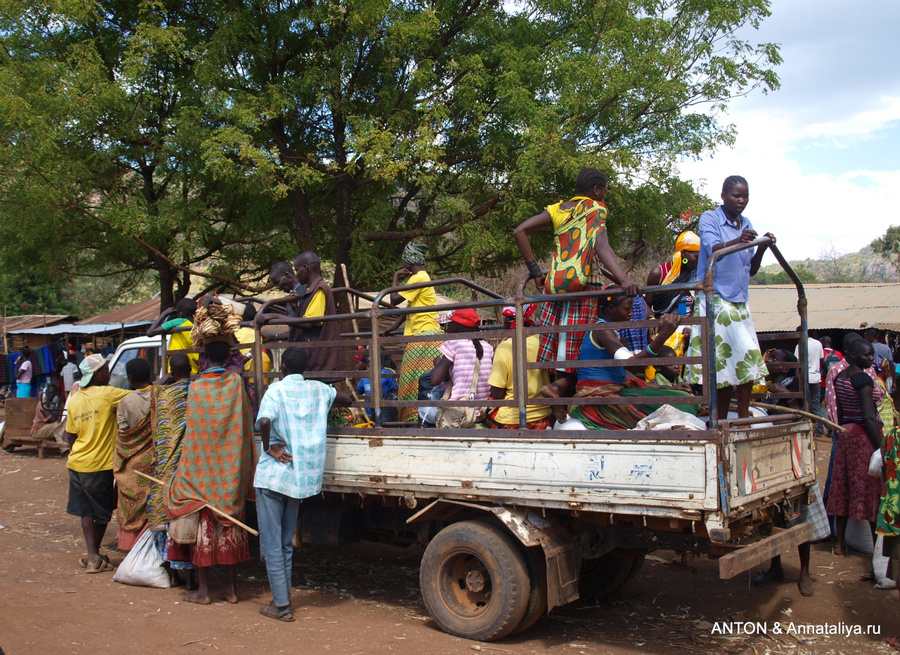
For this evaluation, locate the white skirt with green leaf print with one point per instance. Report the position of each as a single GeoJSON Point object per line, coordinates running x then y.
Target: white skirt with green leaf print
{"type": "Point", "coordinates": [738, 359]}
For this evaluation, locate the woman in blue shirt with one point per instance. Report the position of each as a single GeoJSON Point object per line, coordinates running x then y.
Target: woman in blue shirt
{"type": "Point", "coordinates": [739, 361]}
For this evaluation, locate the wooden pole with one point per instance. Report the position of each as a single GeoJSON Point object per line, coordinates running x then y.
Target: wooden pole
{"type": "Point", "coordinates": [788, 410]}
{"type": "Point", "coordinates": [347, 284]}
{"type": "Point", "coordinates": [207, 506]}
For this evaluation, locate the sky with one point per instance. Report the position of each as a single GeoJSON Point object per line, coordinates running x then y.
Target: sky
{"type": "Point", "coordinates": [821, 154]}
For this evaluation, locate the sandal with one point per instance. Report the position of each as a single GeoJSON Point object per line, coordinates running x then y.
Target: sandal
{"type": "Point", "coordinates": [83, 563]}
{"type": "Point", "coordinates": [104, 567]}
{"type": "Point", "coordinates": [278, 613]}
{"type": "Point", "coordinates": [893, 641]}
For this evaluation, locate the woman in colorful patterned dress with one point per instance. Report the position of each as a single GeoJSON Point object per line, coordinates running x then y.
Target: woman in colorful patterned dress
{"type": "Point", "coordinates": [579, 228]}
{"type": "Point", "coordinates": [738, 359]}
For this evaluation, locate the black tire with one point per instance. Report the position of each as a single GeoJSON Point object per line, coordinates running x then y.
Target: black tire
{"type": "Point", "coordinates": [474, 581]}
{"type": "Point", "coordinates": [537, 599]}
{"type": "Point", "coordinates": [639, 556]}
{"type": "Point", "coordinates": [601, 577]}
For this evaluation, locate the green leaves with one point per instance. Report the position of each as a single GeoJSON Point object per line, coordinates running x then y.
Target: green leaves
{"type": "Point", "coordinates": [205, 135]}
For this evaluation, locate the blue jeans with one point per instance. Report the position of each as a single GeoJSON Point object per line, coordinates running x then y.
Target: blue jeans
{"type": "Point", "coordinates": [277, 517]}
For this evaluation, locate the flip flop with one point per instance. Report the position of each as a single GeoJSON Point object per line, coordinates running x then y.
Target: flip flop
{"type": "Point", "coordinates": [83, 563]}
{"type": "Point", "coordinates": [104, 567]}
{"type": "Point", "coordinates": [279, 614]}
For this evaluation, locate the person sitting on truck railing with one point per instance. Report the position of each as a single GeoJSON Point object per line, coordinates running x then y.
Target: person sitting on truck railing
{"type": "Point", "coordinates": [182, 315]}
{"type": "Point", "coordinates": [418, 357]}
{"type": "Point", "coordinates": [738, 360]}
{"type": "Point", "coordinates": [502, 380]}
{"type": "Point", "coordinates": [579, 227]}
{"type": "Point", "coordinates": [458, 359]}
{"type": "Point", "coordinates": [282, 276]}
{"type": "Point", "coordinates": [602, 382]}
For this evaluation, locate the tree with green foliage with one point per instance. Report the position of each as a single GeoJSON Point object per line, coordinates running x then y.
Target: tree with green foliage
{"type": "Point", "coordinates": [216, 137]}
{"type": "Point", "coordinates": [888, 247]}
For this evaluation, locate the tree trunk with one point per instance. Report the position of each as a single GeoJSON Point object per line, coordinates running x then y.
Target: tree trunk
{"type": "Point", "coordinates": [302, 224]}
{"type": "Point", "coordinates": [166, 285]}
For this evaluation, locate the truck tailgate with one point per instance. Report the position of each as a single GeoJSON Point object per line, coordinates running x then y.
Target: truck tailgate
{"type": "Point", "coordinates": [764, 464]}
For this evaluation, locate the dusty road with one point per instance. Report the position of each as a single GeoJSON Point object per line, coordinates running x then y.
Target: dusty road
{"type": "Point", "coordinates": [364, 598]}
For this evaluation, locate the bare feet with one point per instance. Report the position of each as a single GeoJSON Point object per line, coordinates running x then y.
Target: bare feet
{"type": "Point", "coordinates": [549, 391]}
{"type": "Point", "coordinates": [229, 597]}
{"type": "Point", "coordinates": [196, 597]}
{"type": "Point", "coordinates": [559, 411]}
{"type": "Point", "coordinates": [839, 550]}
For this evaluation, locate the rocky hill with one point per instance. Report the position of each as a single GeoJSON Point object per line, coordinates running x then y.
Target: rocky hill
{"type": "Point", "coordinates": [862, 266]}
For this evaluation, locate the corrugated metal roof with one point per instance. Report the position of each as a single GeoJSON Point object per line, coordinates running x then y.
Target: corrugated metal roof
{"type": "Point", "coordinates": [146, 310]}
{"type": "Point", "coordinates": [829, 306]}
{"type": "Point", "coordinates": [26, 322]}
{"type": "Point", "coordinates": [80, 328]}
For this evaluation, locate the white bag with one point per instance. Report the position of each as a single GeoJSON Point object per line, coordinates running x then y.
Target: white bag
{"type": "Point", "coordinates": [859, 536]}
{"type": "Point", "coordinates": [668, 417]}
{"type": "Point", "coordinates": [143, 566]}
{"type": "Point", "coordinates": [880, 566]}
{"type": "Point", "coordinates": [876, 462]}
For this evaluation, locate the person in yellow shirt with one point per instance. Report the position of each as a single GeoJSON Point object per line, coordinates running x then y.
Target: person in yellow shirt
{"type": "Point", "coordinates": [180, 316]}
{"type": "Point", "coordinates": [418, 357]}
{"type": "Point", "coordinates": [502, 380]}
{"type": "Point", "coordinates": [91, 432]}
{"type": "Point", "coordinates": [317, 301]}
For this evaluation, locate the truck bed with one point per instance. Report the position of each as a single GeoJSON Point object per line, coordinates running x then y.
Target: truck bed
{"type": "Point", "coordinates": [675, 474]}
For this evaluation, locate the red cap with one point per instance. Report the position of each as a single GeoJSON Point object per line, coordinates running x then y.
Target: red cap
{"type": "Point", "coordinates": [467, 317]}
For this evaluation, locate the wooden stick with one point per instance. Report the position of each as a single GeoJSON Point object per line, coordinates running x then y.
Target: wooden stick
{"type": "Point", "coordinates": [347, 284]}
{"type": "Point", "coordinates": [788, 410]}
{"type": "Point", "coordinates": [207, 506]}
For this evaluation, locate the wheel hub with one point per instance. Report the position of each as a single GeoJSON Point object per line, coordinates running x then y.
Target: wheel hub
{"type": "Point", "coordinates": [475, 581]}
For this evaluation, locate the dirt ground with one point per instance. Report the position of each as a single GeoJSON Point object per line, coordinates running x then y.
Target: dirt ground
{"type": "Point", "coordinates": [364, 598]}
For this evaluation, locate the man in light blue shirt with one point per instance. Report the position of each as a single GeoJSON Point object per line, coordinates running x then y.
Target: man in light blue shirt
{"type": "Point", "coordinates": [293, 417]}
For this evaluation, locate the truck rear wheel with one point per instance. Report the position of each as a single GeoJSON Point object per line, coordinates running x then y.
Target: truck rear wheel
{"type": "Point", "coordinates": [474, 581]}
{"type": "Point", "coordinates": [537, 599]}
{"type": "Point", "coordinates": [601, 577]}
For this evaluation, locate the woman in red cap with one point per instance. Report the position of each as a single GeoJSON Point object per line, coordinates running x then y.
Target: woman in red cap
{"type": "Point", "coordinates": [458, 358]}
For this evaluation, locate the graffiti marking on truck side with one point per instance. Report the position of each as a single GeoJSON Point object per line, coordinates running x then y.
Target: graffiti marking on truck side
{"type": "Point", "coordinates": [642, 470]}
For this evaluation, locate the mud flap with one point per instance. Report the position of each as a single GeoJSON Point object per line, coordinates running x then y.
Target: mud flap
{"type": "Point", "coordinates": [761, 552]}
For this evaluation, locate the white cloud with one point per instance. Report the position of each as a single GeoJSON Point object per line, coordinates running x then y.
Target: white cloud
{"type": "Point", "coordinates": [807, 212]}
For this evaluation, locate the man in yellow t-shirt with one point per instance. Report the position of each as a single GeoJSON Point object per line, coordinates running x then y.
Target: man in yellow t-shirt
{"type": "Point", "coordinates": [91, 432]}
{"type": "Point", "coordinates": [502, 380]}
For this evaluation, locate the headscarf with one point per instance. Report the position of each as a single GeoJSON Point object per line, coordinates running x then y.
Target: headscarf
{"type": "Point", "coordinates": [414, 253]}
{"type": "Point", "coordinates": [687, 240]}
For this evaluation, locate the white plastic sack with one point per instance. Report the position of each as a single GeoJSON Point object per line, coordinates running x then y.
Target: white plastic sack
{"type": "Point", "coordinates": [880, 566]}
{"type": "Point", "coordinates": [143, 566]}
{"type": "Point", "coordinates": [571, 424]}
{"type": "Point", "coordinates": [876, 462]}
{"type": "Point", "coordinates": [859, 536]}
{"type": "Point", "coordinates": [668, 417]}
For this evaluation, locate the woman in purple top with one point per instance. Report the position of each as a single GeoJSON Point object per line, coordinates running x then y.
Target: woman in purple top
{"type": "Point", "coordinates": [738, 359]}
